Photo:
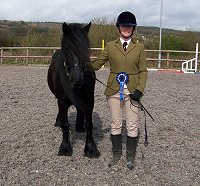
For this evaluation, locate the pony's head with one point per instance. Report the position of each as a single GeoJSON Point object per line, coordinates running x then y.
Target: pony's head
{"type": "Point", "coordinates": [75, 47]}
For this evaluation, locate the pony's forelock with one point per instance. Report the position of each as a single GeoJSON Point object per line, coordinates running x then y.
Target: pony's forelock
{"type": "Point", "coordinates": [75, 38]}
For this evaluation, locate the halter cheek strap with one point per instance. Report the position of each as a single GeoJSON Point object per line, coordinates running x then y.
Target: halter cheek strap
{"type": "Point", "coordinates": [122, 78]}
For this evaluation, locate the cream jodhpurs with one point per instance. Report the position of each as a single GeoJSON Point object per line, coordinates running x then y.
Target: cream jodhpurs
{"type": "Point", "coordinates": [131, 113]}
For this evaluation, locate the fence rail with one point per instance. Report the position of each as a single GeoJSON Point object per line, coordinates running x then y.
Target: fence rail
{"type": "Point", "coordinates": [27, 53]}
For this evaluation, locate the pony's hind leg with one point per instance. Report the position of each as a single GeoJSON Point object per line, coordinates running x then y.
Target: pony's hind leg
{"type": "Point", "coordinates": [91, 149]}
{"type": "Point", "coordinates": [65, 147]}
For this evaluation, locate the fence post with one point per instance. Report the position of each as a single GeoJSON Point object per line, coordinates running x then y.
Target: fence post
{"type": "Point", "coordinates": [27, 56]}
{"type": "Point", "coordinates": [167, 59]}
{"type": "Point", "coordinates": [1, 56]}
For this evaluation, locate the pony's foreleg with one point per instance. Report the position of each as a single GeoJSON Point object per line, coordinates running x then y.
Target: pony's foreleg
{"type": "Point", "coordinates": [65, 147]}
{"type": "Point", "coordinates": [80, 122]}
{"type": "Point", "coordinates": [91, 149]}
{"type": "Point", "coordinates": [58, 121]}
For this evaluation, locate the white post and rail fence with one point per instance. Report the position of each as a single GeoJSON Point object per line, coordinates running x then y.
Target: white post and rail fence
{"type": "Point", "coordinates": [186, 61]}
{"type": "Point", "coordinates": [191, 66]}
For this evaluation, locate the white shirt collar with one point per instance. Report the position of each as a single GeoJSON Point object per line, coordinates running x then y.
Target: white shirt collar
{"type": "Point", "coordinates": [128, 41]}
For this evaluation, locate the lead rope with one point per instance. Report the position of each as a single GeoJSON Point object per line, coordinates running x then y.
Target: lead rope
{"type": "Point", "coordinates": [145, 126]}
{"type": "Point", "coordinates": [145, 122]}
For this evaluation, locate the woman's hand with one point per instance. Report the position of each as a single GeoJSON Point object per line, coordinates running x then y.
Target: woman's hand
{"type": "Point", "coordinates": [136, 95]}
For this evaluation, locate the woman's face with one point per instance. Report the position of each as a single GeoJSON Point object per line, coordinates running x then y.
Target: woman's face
{"type": "Point", "coordinates": [126, 31]}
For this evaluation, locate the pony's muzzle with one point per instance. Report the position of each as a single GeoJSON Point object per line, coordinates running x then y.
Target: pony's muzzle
{"type": "Point", "coordinates": [78, 84]}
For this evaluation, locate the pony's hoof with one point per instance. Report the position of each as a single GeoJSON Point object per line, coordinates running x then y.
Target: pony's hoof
{"type": "Point", "coordinates": [64, 153]}
{"type": "Point", "coordinates": [65, 149]}
{"type": "Point", "coordinates": [95, 154]}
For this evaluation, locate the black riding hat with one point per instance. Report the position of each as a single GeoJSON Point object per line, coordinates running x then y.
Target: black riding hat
{"type": "Point", "coordinates": [126, 18]}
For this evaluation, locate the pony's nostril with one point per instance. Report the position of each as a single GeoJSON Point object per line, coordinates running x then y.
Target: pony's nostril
{"type": "Point", "coordinates": [77, 86]}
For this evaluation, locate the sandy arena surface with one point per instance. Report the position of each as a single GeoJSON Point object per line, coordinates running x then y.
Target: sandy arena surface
{"type": "Point", "coordinates": [29, 142]}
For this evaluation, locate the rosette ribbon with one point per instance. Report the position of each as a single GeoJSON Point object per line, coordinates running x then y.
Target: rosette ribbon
{"type": "Point", "coordinates": [122, 78]}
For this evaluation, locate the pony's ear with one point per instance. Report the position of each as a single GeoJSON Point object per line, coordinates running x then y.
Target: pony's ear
{"type": "Point", "coordinates": [64, 27]}
{"type": "Point", "coordinates": [87, 27]}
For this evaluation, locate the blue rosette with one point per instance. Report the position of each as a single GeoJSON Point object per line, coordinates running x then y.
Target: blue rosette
{"type": "Point", "coordinates": [122, 79]}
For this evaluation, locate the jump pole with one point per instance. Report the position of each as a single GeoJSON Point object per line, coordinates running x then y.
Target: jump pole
{"type": "Point", "coordinates": [102, 47]}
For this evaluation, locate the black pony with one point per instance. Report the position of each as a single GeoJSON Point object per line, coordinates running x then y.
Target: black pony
{"type": "Point", "coordinates": [69, 81]}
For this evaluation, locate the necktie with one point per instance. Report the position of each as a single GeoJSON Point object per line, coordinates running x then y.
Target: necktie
{"type": "Point", "coordinates": [124, 45]}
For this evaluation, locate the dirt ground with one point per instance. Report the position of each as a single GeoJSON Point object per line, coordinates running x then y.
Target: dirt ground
{"type": "Point", "coordinates": [29, 142]}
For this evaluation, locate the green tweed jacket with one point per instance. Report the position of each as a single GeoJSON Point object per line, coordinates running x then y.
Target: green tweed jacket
{"type": "Point", "coordinates": [132, 62]}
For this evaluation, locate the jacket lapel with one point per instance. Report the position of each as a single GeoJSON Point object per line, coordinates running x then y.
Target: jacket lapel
{"type": "Point", "coordinates": [131, 46]}
{"type": "Point", "coordinates": [118, 44]}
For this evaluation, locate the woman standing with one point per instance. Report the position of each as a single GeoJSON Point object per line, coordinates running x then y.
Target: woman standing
{"type": "Point", "coordinates": [125, 85]}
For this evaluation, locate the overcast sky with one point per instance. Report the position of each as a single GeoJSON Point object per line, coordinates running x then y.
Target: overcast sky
{"type": "Point", "coordinates": [177, 14]}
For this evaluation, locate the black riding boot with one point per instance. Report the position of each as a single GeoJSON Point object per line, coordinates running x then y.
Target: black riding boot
{"type": "Point", "coordinates": [116, 149]}
{"type": "Point", "coordinates": [131, 146]}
